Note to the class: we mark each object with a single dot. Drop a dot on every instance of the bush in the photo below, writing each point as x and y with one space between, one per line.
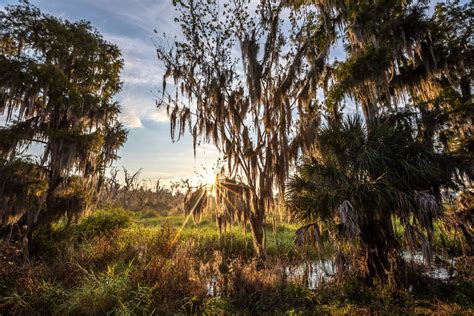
42 299
174 278
103 221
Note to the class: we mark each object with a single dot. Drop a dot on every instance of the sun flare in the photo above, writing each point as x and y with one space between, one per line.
210 179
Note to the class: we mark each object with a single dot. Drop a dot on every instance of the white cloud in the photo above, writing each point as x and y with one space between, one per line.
141 76
144 14
137 107
141 65
158 115
131 120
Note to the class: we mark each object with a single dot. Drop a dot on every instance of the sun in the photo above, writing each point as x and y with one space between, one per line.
210 179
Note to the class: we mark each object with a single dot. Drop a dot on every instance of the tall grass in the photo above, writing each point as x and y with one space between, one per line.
116 262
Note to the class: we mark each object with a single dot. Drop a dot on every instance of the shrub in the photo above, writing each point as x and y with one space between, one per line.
174 278
103 221
42 299
255 288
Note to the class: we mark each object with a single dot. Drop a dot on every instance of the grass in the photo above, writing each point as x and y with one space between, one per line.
125 263
278 242
445 239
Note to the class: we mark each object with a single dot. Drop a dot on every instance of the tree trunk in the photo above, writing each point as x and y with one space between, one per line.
381 252
257 221
370 111
466 88
258 236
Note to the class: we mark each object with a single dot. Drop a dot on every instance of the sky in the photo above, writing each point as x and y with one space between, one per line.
130 24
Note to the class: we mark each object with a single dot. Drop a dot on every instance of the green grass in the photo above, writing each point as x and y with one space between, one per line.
142 263
279 242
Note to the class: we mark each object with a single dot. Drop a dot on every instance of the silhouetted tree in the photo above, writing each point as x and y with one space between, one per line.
248 106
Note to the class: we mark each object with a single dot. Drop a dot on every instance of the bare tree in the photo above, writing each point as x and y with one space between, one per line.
112 188
159 189
130 185
135 194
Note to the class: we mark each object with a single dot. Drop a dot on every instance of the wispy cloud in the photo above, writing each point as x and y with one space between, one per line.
142 73
131 120
138 108
141 76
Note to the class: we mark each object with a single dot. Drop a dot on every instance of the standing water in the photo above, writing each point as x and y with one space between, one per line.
317 272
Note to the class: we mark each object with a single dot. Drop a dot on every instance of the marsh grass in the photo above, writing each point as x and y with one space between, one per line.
128 263
232 241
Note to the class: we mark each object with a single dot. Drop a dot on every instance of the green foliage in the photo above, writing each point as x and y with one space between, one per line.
57 83
143 269
217 306
103 293
103 222
359 178
44 299
50 240
360 66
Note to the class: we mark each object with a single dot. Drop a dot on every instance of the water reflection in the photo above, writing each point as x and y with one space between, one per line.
312 273
442 270
316 272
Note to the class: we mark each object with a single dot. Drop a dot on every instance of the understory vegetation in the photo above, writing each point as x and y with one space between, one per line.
122 262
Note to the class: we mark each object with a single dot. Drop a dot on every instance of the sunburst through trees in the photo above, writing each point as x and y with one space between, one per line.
263 106
248 107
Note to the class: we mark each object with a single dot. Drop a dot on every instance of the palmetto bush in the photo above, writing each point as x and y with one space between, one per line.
358 179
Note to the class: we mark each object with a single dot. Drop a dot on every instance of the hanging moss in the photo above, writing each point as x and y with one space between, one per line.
250 117
23 189
58 78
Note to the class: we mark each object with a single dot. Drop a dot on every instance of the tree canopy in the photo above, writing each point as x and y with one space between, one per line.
57 83
246 103
398 60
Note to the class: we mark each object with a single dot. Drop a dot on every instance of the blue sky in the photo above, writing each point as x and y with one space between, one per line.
130 25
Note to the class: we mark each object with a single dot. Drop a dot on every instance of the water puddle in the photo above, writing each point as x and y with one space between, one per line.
443 270
312 274
212 286
316 272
